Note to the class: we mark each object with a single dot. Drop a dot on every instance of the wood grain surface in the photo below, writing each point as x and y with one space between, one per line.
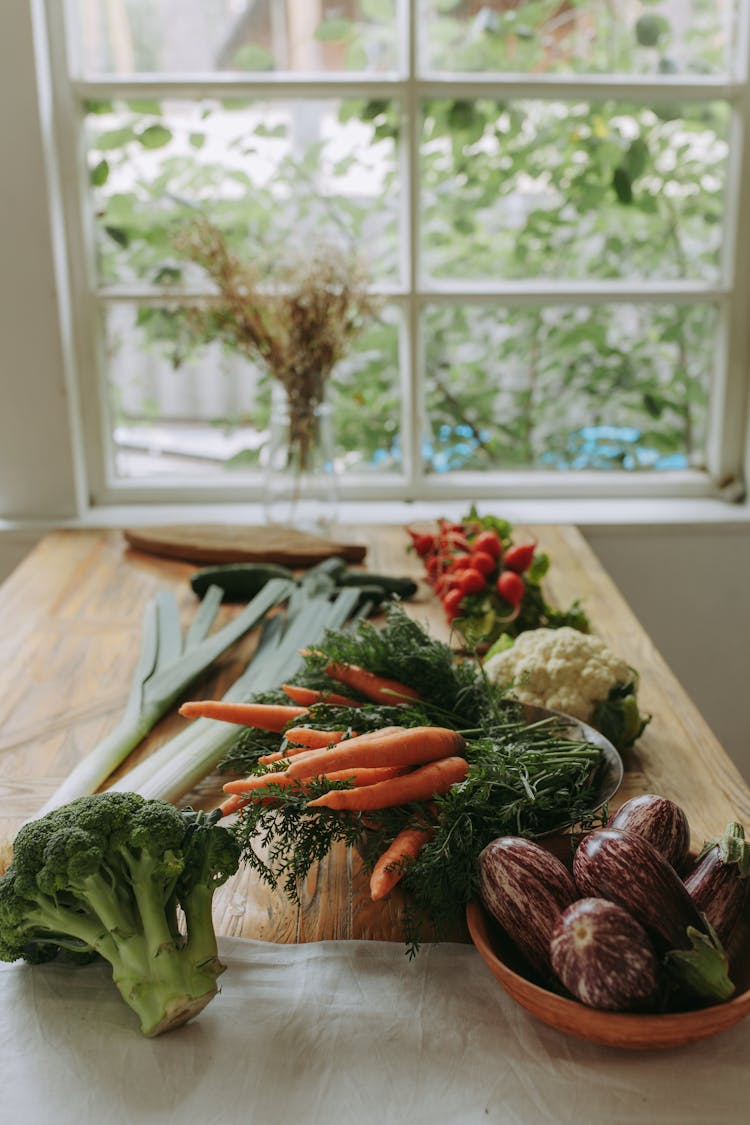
71 617
214 544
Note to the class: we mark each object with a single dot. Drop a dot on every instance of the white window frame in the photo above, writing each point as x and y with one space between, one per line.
727 429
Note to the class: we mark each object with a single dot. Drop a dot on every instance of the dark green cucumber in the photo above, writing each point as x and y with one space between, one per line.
374 596
333 567
397 587
240 582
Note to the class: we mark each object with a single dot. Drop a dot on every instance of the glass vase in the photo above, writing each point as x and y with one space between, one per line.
300 487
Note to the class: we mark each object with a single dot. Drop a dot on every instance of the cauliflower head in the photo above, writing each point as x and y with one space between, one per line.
573 672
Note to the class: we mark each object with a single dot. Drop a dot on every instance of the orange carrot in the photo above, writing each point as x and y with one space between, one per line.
389 869
300 739
258 782
304 738
361 777
291 751
281 755
232 805
308 696
378 689
263 716
315 739
401 747
419 785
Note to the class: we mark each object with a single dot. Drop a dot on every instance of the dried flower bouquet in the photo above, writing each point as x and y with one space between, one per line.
297 318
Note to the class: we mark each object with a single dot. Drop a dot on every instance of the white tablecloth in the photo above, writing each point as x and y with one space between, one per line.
340 1032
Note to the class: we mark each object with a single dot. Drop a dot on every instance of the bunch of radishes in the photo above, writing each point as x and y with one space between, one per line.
462 562
631 928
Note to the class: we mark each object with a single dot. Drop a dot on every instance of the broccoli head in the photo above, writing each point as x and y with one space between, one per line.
130 880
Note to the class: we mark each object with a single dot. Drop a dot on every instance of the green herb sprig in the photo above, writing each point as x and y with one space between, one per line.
452 691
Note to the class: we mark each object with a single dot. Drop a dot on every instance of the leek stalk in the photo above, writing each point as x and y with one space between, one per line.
166 666
178 765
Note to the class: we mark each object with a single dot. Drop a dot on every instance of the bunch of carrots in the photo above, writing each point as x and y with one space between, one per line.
382 768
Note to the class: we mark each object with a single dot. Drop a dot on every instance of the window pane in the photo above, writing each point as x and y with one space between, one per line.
535 189
588 36
203 36
603 387
177 409
301 170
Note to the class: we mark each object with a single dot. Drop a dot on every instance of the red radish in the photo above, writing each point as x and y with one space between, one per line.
459 563
484 562
490 542
511 587
423 543
472 581
452 602
519 558
447 582
433 566
454 539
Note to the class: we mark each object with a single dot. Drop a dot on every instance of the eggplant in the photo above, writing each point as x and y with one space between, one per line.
719 884
604 957
525 888
627 869
662 822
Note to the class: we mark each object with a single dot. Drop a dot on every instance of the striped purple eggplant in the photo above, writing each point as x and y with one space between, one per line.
604 957
628 870
525 888
662 822
719 884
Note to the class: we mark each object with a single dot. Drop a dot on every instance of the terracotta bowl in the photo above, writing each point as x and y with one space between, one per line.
612 1029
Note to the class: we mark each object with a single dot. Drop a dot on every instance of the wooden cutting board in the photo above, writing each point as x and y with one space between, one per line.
228 543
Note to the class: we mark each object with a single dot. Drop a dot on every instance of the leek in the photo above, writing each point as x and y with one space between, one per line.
178 765
166 666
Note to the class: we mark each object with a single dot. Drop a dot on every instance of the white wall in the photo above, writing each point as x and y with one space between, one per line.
37 476
690 587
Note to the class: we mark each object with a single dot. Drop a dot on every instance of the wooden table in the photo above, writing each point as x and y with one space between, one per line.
71 615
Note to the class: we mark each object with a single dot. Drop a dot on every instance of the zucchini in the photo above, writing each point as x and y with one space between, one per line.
395 587
333 567
239 582
371 595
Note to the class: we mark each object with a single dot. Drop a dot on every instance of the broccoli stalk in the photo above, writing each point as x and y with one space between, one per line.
114 875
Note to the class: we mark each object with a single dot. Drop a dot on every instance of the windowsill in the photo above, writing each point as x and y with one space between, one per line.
584 513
